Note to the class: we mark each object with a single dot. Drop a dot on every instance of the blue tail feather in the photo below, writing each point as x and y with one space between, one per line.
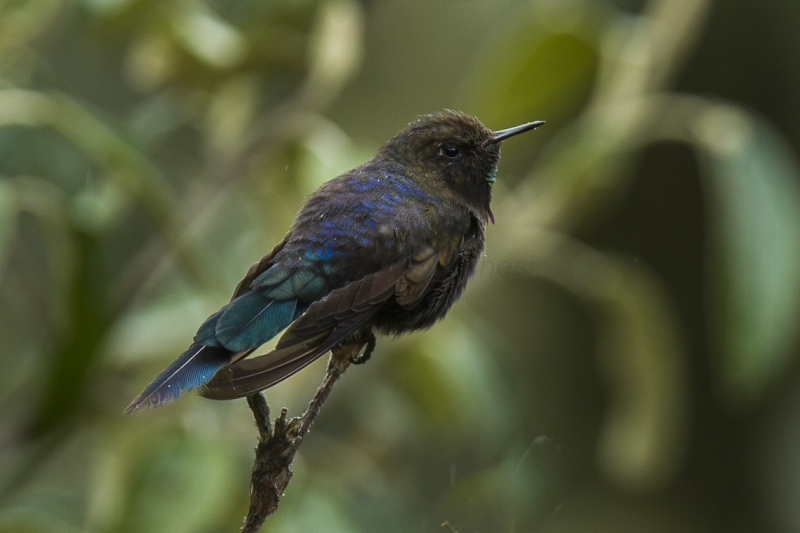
207 333
251 320
193 368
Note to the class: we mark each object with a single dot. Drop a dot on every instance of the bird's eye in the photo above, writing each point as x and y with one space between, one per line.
451 152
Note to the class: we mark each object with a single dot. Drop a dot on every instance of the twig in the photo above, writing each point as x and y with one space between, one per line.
277 446
447 525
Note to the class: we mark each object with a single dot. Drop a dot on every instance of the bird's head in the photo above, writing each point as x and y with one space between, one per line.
453 154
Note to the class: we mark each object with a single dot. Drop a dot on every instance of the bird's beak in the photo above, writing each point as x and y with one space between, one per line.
516 130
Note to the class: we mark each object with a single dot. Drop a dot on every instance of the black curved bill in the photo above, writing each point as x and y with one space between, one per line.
516 130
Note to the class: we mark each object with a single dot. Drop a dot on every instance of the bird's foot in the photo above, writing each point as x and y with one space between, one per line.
363 355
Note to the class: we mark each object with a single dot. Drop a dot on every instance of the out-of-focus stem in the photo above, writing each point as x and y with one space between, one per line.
586 163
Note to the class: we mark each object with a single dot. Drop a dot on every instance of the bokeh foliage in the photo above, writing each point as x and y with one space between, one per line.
602 373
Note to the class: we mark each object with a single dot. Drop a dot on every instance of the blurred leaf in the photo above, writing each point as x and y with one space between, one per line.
328 151
130 169
151 331
453 379
157 117
31 521
319 509
185 486
98 206
50 206
532 69
231 109
209 38
8 220
336 49
514 486
642 356
151 60
640 352
556 75
108 7
21 22
754 193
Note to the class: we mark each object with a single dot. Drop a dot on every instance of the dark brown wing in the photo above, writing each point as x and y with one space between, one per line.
327 323
416 279
322 326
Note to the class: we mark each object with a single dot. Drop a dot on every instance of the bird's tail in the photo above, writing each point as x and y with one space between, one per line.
194 367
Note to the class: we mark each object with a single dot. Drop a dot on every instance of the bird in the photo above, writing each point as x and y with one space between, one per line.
385 248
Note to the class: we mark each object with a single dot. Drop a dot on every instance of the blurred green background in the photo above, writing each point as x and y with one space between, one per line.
624 360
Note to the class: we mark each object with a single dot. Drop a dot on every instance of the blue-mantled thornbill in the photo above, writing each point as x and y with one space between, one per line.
384 248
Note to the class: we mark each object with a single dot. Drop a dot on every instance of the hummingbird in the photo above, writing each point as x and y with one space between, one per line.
384 248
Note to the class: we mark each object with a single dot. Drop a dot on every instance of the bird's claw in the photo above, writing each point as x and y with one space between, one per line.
362 357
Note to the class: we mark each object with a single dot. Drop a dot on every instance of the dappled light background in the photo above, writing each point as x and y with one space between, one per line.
625 358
